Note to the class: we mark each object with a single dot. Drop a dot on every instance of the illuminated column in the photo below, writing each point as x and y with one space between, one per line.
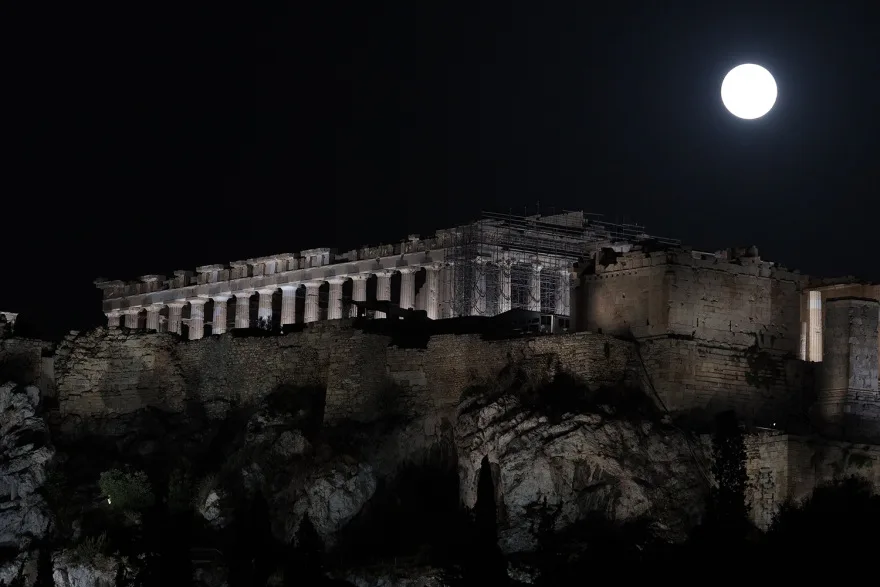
535 287
383 289
131 317
175 310
408 287
153 317
815 347
243 309
358 291
264 314
197 318
432 291
504 294
563 294
112 319
218 320
334 304
313 309
288 303
803 348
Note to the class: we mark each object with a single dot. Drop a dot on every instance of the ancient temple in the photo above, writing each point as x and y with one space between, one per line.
495 264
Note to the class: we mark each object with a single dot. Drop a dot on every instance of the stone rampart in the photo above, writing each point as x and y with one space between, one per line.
25 361
783 467
112 372
685 293
763 386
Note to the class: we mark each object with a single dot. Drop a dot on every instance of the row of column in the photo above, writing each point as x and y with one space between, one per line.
131 316
432 292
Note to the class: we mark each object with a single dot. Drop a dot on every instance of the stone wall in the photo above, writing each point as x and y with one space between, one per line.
783 467
22 361
111 372
685 293
764 386
848 394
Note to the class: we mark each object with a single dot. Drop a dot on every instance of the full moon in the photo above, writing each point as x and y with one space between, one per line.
748 91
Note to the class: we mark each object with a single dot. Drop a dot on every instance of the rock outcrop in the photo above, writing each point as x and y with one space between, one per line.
563 470
99 570
25 451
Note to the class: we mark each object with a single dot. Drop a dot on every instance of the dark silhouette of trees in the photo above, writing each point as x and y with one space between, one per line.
727 505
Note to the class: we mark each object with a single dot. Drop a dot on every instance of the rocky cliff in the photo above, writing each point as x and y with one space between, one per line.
244 460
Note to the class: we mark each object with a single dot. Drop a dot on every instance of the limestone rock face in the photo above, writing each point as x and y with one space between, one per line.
213 510
100 571
399 577
25 452
22 570
581 464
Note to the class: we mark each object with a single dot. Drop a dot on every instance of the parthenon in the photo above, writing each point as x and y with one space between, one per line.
498 263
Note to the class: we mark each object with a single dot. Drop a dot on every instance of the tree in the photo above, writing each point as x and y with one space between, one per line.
727 508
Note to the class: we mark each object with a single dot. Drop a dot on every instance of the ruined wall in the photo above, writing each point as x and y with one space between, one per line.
783 467
685 293
111 372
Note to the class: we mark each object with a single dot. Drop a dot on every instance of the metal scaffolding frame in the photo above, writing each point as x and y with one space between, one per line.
508 261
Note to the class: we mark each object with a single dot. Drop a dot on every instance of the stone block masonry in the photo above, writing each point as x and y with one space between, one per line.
111 372
763 386
686 293
848 391
105 373
783 467
28 362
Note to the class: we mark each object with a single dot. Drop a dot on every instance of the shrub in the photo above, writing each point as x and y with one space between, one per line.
87 549
126 490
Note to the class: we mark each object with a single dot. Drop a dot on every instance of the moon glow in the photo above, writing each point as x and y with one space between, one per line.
748 91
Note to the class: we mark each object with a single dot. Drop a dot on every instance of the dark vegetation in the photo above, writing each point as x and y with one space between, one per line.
155 477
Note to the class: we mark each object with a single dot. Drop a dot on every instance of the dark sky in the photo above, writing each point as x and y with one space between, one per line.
144 140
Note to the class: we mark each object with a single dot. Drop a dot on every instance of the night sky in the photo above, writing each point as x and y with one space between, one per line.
144 140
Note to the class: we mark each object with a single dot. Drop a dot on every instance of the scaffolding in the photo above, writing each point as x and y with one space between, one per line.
506 261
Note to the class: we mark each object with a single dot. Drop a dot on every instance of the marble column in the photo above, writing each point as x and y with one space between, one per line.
535 287
243 309
153 317
218 320
288 303
447 291
383 289
131 318
197 318
432 291
408 287
264 314
334 305
358 291
112 319
563 294
504 289
313 309
478 296
175 311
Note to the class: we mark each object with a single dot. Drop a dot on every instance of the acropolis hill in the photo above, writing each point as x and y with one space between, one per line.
537 298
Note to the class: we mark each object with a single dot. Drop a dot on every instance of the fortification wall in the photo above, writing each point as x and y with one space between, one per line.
25 361
688 294
111 372
783 467
764 386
